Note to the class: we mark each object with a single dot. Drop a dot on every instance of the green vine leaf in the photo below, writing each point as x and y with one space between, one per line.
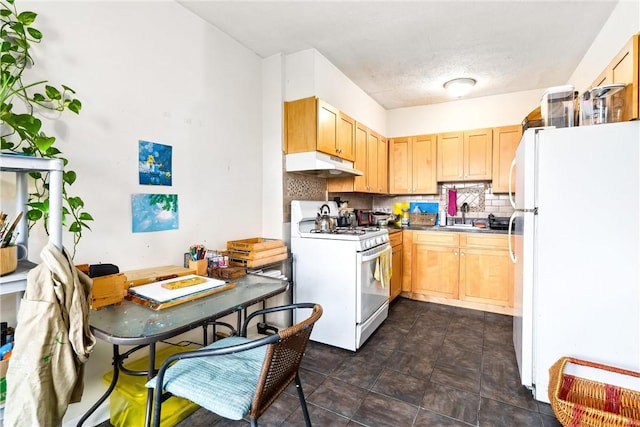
75 202
70 177
52 92
36 34
34 214
44 143
27 18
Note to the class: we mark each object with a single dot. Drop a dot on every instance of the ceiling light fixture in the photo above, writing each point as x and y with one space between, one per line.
459 87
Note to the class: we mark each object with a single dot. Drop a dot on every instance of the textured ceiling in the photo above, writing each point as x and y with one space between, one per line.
401 53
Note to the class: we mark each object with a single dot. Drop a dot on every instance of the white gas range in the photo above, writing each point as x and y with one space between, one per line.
342 270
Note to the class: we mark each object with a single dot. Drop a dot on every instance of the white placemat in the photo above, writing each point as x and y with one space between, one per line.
156 292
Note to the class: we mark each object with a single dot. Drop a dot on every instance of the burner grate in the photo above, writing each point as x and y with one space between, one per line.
349 231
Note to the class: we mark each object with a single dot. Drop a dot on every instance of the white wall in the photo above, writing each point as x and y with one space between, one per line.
273 149
616 32
490 111
152 71
308 73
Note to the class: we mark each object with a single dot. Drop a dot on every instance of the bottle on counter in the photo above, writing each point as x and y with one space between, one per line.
442 220
405 217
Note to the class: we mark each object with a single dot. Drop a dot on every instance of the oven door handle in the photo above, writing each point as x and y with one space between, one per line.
368 257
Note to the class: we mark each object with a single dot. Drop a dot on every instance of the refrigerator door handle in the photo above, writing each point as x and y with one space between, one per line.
511 169
512 254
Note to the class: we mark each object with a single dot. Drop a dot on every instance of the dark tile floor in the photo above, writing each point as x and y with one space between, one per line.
427 365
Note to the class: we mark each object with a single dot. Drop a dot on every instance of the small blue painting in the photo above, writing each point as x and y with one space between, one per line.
154 163
154 212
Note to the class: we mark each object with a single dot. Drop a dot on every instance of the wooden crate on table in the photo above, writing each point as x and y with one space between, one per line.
107 290
255 252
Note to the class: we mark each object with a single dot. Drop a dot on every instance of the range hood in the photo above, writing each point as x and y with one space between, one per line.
320 165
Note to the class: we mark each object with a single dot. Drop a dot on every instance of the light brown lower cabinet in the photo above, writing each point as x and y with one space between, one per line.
470 270
395 239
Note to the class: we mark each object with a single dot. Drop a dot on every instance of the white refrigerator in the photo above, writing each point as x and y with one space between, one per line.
576 248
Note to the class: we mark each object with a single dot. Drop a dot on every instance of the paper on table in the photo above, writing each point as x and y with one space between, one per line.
156 292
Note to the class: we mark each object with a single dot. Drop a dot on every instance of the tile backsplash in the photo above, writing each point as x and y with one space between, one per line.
477 195
301 187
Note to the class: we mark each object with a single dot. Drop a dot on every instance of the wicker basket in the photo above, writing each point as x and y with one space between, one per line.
424 219
581 402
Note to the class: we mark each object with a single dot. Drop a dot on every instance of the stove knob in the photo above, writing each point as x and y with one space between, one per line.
367 244
379 240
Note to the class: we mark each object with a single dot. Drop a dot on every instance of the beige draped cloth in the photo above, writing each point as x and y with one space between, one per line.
52 343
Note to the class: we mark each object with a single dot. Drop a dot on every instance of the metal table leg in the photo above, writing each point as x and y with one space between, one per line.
114 380
150 374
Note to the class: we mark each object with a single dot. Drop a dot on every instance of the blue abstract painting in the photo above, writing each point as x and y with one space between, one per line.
154 163
154 212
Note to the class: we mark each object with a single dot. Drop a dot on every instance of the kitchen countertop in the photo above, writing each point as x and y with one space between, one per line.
449 229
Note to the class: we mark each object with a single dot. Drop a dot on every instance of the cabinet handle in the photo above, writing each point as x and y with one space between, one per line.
461 253
455 253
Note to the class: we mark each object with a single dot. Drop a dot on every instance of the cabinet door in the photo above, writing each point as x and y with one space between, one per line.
434 270
450 150
485 276
327 128
346 137
372 162
400 166
407 259
624 69
362 134
301 125
505 142
477 154
396 271
383 165
423 164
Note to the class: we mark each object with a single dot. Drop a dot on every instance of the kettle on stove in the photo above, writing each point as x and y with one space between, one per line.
324 221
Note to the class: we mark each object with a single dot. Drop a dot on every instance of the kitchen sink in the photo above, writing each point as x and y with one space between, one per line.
460 226
466 228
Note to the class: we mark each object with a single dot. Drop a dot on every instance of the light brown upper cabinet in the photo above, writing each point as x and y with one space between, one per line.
465 156
412 165
625 68
505 143
371 158
383 165
313 125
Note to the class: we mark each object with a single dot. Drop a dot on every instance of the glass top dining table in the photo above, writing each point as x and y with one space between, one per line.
130 323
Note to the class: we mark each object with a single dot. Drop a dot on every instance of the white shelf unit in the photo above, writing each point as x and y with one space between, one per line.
21 166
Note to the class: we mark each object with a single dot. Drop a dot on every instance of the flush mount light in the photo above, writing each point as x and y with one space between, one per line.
459 87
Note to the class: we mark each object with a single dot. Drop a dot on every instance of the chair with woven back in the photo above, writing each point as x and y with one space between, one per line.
236 376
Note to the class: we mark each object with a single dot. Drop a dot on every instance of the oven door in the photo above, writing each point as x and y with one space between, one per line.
371 292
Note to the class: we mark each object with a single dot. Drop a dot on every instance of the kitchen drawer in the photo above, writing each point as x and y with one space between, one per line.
436 238
479 240
395 239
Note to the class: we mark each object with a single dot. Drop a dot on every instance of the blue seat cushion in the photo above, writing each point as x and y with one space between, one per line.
222 384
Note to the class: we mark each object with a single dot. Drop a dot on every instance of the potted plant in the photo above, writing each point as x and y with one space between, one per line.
21 129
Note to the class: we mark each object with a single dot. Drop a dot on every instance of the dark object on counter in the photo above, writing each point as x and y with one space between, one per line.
227 273
3 333
364 217
98 270
498 223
